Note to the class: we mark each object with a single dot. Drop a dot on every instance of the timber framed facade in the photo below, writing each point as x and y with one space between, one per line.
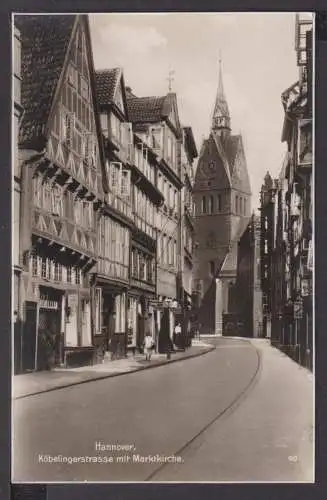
61 160
100 242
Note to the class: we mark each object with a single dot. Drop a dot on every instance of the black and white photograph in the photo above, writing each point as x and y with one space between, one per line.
163 248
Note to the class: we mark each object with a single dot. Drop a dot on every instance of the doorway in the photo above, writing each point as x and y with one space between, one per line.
29 337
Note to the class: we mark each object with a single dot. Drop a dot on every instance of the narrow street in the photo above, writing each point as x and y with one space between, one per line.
242 412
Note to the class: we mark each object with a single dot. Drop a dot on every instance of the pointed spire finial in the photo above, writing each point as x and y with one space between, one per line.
221 118
170 79
220 82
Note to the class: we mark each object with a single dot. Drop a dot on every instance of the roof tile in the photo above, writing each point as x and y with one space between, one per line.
145 109
106 84
45 41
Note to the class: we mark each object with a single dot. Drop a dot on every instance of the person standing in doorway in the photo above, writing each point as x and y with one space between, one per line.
148 346
178 335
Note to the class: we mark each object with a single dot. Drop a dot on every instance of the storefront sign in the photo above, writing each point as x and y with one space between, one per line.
298 309
48 304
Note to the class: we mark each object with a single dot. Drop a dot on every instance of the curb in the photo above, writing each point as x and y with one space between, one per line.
118 374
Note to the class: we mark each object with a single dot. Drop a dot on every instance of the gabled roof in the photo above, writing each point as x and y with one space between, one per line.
190 141
45 40
151 109
107 81
221 150
232 146
146 109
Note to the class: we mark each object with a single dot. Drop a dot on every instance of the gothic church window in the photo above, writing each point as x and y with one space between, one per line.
218 203
204 205
210 204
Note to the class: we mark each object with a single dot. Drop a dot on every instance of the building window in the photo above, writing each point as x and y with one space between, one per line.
56 200
84 89
210 204
77 276
245 207
142 267
236 204
211 268
69 274
57 272
204 206
218 203
44 269
34 265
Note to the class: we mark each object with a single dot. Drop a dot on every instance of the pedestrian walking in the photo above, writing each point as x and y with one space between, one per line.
178 335
148 347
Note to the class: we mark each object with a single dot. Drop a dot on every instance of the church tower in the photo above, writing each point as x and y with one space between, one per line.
222 196
221 117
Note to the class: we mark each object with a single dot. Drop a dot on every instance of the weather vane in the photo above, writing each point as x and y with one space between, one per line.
170 79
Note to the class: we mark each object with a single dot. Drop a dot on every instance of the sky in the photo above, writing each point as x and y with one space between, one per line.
258 63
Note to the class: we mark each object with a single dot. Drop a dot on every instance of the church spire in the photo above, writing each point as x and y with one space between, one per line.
221 117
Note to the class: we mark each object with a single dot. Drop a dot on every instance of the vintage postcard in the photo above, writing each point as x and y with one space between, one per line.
162 253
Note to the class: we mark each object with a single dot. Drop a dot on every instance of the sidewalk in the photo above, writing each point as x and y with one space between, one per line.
37 382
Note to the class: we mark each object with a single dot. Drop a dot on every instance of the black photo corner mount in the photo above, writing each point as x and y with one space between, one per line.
321 26
28 492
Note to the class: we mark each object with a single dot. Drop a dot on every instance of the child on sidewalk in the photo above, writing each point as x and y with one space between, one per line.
148 346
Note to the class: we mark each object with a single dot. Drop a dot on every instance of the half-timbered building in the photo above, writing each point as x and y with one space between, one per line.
62 162
112 273
156 122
